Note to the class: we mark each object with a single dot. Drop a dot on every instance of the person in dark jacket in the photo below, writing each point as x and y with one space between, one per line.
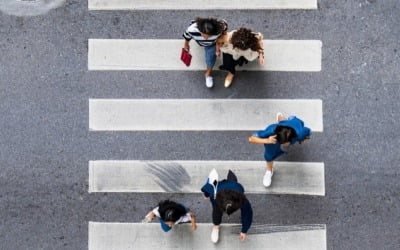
227 196
284 133
171 213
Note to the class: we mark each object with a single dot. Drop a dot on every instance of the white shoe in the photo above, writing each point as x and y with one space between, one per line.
209 82
267 178
215 234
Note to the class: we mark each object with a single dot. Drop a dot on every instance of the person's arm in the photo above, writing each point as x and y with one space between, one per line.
193 221
261 51
149 217
186 45
247 219
219 43
257 140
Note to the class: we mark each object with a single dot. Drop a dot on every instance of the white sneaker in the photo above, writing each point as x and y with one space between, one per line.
209 82
267 178
215 234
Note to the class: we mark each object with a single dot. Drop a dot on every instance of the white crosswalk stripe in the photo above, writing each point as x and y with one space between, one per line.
198 114
185 176
164 54
189 176
200 4
117 236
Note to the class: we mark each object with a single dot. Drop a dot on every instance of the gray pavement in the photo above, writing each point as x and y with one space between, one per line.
45 143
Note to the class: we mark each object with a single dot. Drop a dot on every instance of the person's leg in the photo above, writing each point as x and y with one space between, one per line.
217 219
231 176
210 61
229 64
268 174
270 166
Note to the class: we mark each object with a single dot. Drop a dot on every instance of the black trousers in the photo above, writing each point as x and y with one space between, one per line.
216 212
229 64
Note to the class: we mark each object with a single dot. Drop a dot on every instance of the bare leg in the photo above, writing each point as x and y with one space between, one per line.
208 71
270 165
280 117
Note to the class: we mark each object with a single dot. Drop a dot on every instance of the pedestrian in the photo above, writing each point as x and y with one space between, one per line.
239 47
171 213
205 31
227 196
274 137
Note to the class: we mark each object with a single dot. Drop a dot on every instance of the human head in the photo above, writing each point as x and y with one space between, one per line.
229 201
170 211
284 134
244 39
209 26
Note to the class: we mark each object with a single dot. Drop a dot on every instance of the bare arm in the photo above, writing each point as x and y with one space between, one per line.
186 45
257 140
261 52
193 221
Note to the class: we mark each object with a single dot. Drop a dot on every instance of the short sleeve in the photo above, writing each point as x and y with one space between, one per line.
156 212
270 130
184 219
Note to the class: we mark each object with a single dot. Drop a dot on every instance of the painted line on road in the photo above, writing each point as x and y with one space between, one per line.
116 236
200 4
199 114
189 176
164 54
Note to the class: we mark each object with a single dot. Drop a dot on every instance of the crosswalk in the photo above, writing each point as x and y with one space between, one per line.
199 4
301 178
187 176
115 236
133 54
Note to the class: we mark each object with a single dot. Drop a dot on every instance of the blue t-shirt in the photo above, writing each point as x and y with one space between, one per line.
272 151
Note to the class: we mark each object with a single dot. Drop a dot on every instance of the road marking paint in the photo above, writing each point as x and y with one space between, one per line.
198 114
164 54
200 4
189 176
116 236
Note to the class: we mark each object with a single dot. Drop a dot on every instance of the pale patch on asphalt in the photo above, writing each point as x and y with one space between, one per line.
29 7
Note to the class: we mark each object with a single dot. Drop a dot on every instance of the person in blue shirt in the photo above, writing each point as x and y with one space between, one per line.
284 133
227 196
169 214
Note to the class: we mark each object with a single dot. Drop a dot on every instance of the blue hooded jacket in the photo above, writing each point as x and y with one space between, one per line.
272 151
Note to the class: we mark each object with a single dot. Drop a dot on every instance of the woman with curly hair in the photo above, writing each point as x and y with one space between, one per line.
239 47
171 213
205 31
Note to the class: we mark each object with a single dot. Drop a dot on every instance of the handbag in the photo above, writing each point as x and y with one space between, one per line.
186 57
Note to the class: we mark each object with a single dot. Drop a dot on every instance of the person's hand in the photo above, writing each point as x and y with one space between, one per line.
261 60
217 52
194 227
272 139
243 236
186 46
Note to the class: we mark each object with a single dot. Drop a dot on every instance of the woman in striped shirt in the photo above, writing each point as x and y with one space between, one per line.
205 31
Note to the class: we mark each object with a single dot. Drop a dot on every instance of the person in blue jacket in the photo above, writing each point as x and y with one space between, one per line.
284 133
227 196
171 213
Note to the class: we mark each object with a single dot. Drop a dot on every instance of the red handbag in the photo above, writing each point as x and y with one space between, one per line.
186 57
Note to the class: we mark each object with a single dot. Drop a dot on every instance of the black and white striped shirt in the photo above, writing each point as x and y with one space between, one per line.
192 32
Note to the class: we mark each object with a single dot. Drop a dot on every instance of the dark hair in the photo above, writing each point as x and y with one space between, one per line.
284 134
171 211
211 26
245 39
229 201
